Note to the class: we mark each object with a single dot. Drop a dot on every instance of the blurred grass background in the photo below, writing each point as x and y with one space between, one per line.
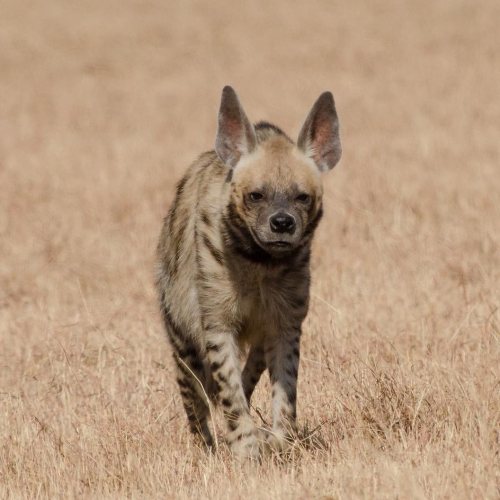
102 107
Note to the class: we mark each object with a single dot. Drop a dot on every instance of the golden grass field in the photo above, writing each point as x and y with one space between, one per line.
102 107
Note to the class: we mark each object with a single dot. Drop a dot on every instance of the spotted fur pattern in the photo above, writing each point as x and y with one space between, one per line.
226 287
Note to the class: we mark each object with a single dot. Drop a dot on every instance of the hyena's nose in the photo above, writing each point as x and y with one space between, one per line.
282 223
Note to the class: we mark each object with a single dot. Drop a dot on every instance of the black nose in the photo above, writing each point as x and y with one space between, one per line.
282 223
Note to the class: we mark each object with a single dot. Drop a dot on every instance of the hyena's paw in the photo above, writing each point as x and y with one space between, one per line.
278 441
205 442
203 436
246 444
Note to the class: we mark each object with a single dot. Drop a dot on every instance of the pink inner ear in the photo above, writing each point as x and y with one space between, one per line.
232 129
319 137
322 136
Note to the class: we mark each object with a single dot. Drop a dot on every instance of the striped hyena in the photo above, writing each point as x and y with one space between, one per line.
234 267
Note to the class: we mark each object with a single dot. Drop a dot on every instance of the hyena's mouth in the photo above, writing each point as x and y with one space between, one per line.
271 246
276 248
280 244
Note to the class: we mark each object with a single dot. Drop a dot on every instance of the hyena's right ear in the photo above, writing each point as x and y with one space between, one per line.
319 138
235 133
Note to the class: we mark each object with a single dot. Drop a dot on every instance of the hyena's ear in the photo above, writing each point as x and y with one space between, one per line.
319 138
235 133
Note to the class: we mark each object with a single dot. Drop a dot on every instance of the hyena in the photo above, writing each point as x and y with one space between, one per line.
233 270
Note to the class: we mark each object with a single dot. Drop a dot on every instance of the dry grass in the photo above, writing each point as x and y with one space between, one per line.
103 105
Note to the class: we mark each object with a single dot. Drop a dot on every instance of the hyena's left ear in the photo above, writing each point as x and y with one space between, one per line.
235 133
319 138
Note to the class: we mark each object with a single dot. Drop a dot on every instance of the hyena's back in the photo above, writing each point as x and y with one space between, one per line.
196 201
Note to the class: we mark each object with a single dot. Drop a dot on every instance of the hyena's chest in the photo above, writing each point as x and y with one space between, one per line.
261 303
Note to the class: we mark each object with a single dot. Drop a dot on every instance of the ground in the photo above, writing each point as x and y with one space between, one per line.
102 107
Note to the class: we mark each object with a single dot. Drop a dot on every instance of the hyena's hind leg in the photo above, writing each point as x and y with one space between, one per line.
254 367
191 378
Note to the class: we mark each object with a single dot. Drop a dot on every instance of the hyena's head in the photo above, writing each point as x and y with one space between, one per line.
275 200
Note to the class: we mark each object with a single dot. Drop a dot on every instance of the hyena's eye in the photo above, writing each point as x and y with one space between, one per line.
255 196
303 197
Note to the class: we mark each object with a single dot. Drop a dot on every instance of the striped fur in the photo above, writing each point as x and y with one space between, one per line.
229 283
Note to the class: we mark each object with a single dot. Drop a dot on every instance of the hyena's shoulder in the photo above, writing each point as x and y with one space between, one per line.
204 171
205 176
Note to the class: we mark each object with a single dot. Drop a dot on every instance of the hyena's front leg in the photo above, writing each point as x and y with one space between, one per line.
255 365
282 356
224 361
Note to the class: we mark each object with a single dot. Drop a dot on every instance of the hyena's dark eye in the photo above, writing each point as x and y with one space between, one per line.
303 197
255 196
